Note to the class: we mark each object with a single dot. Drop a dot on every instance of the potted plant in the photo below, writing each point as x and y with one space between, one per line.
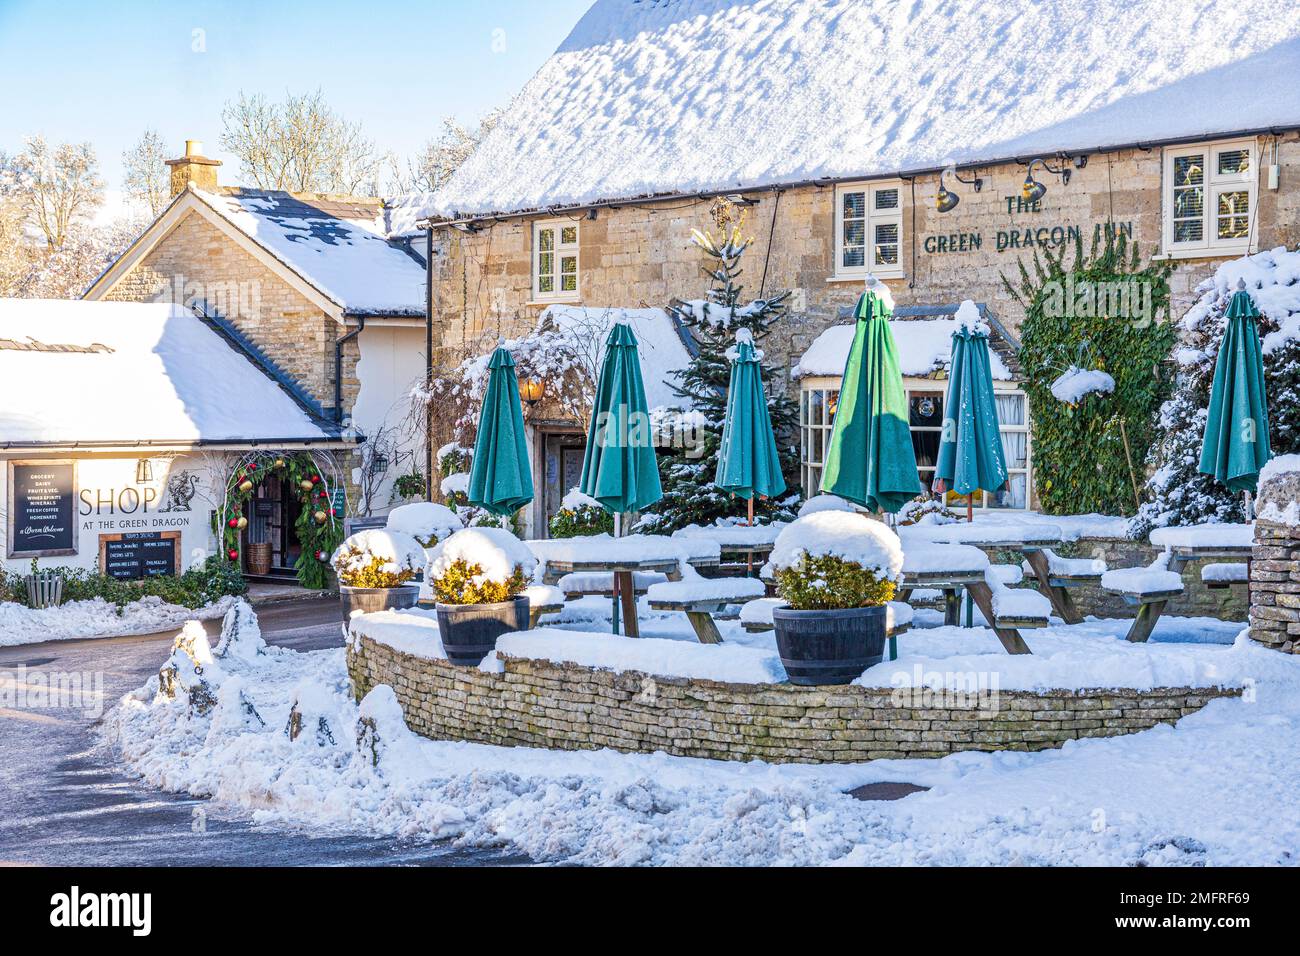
836 571
425 521
478 577
374 568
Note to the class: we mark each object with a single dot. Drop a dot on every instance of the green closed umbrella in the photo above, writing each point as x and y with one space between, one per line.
870 460
1236 442
970 449
501 481
747 461
619 468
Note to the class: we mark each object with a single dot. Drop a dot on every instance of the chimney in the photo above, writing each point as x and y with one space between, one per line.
194 168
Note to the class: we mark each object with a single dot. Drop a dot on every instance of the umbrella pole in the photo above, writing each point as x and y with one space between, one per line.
751 512
970 506
618 526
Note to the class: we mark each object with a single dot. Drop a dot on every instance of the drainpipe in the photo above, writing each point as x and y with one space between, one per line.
338 366
428 362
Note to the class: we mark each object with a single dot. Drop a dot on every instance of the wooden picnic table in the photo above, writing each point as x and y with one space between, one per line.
974 583
624 579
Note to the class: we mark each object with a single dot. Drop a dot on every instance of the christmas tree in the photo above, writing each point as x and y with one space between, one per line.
1177 493
687 473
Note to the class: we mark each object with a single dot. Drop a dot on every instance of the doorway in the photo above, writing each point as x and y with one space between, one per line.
561 470
273 512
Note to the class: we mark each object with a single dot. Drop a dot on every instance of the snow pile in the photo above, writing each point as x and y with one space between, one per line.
734 590
157 374
1154 579
788 91
496 551
241 636
1058 566
1225 572
424 520
727 663
543 595
923 346
397 553
77 620
454 484
1223 535
825 503
1076 383
898 614
842 534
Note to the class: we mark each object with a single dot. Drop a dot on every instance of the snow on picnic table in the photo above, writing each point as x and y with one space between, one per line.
1223 535
734 535
706 589
633 547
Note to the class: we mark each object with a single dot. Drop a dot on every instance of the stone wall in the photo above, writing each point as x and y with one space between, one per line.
641 255
537 703
1275 565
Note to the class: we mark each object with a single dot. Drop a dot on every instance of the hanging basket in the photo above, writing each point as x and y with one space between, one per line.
258 557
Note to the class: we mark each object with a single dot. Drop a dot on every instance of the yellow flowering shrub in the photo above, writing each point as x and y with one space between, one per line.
456 585
373 574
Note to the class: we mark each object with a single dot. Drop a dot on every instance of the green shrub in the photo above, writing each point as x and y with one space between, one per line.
198 586
457 585
410 485
583 521
824 582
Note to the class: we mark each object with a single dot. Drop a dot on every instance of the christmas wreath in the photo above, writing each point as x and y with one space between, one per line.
320 520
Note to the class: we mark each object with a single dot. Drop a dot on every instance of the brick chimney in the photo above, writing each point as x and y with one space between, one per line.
194 168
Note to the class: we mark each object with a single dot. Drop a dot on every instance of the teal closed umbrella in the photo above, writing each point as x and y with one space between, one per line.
501 481
1236 445
870 459
619 468
970 450
747 461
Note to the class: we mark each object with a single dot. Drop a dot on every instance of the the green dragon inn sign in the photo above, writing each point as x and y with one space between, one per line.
1025 230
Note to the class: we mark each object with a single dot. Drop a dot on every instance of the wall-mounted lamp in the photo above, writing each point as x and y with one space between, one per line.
531 391
946 200
736 199
1031 190
592 213
467 227
143 471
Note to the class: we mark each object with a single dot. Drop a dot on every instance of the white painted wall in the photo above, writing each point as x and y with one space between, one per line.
392 361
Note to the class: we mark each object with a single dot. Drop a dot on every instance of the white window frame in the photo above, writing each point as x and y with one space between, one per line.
1214 184
872 218
559 252
811 465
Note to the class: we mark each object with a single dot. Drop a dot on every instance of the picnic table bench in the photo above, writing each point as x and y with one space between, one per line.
1219 577
543 599
1056 575
1149 589
701 599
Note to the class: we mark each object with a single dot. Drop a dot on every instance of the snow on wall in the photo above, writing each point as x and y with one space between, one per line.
788 90
924 345
162 376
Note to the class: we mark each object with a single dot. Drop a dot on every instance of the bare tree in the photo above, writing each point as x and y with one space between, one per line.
300 145
61 186
13 217
439 158
146 179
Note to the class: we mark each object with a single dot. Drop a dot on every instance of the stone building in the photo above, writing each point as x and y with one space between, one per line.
312 286
838 126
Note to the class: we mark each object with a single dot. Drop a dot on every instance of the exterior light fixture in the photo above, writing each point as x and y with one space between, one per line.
143 471
1031 190
531 391
736 199
946 200
467 227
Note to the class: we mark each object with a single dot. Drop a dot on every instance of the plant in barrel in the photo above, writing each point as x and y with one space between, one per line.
375 570
836 571
478 578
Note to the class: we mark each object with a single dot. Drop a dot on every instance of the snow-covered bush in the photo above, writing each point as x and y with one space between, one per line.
480 566
926 510
836 559
377 559
425 521
1075 384
580 515
825 503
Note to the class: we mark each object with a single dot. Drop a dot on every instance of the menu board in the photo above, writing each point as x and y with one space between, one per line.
42 508
139 554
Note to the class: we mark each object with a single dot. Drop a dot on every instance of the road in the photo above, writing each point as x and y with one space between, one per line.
62 804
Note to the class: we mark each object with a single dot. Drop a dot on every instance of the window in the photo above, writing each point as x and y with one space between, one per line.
869 230
555 260
1209 200
925 400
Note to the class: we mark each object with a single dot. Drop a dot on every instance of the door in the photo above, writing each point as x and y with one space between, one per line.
272 519
563 468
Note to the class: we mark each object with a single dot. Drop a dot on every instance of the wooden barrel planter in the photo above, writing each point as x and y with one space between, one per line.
258 557
469 631
829 647
370 600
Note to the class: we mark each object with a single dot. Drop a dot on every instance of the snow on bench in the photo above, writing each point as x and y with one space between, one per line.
701 598
938 565
1147 584
658 657
1070 572
756 616
1008 574
601 583
1017 607
1220 576
543 599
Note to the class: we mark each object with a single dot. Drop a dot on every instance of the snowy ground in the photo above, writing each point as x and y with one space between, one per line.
1216 789
75 620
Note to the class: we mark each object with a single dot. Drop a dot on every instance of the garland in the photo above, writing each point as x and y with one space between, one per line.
319 525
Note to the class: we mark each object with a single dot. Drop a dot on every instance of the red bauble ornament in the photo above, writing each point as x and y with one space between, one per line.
233 554
333 512
252 466
315 478
232 523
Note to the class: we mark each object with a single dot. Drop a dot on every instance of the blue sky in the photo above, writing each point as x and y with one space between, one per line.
105 72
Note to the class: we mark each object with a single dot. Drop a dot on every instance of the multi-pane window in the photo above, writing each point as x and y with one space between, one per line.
555 260
1209 198
925 400
869 229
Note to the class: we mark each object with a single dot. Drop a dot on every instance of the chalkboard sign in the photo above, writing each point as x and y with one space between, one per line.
139 554
42 508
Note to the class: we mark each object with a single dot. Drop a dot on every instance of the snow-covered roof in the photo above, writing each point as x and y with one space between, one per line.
924 346
669 96
338 246
99 372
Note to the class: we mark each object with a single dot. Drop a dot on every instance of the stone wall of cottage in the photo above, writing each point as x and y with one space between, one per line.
1275 566
538 703
641 255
